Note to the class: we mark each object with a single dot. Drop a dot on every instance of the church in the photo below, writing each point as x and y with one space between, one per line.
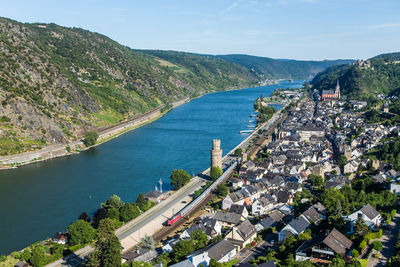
331 94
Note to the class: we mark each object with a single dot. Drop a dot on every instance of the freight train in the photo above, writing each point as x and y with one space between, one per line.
206 192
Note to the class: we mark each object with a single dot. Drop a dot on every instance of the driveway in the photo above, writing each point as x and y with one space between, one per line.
389 241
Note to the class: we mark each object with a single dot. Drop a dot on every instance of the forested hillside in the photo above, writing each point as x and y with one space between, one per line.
269 68
379 75
262 67
57 82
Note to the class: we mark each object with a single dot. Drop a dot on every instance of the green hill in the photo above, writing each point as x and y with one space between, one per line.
363 80
58 82
261 67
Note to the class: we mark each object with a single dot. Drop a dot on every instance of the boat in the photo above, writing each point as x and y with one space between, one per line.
246 131
250 126
253 115
250 121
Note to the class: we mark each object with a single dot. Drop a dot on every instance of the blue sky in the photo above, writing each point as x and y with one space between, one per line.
299 29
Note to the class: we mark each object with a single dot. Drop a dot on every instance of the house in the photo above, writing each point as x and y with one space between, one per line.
139 254
351 166
154 196
272 219
211 227
369 214
395 187
222 251
237 183
21 264
243 234
227 218
295 227
239 209
261 206
312 215
324 247
59 238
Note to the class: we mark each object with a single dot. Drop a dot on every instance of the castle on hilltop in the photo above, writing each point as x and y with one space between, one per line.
331 94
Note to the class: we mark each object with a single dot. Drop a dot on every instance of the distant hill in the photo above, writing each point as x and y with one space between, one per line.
363 79
269 68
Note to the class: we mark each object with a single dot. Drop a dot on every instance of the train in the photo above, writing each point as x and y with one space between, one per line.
206 192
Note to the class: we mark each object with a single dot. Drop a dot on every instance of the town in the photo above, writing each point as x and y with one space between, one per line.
314 193
314 184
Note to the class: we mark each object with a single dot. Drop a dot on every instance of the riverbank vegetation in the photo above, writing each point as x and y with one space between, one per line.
179 178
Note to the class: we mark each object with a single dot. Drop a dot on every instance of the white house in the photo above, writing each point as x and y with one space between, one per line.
222 251
261 206
395 187
369 214
295 227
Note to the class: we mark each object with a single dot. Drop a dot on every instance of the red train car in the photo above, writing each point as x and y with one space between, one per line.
174 219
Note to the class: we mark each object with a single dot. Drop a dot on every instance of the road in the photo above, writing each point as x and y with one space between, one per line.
389 241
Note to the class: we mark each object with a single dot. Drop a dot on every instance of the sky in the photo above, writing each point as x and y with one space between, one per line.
295 29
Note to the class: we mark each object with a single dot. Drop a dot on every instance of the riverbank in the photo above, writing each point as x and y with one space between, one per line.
107 134
74 147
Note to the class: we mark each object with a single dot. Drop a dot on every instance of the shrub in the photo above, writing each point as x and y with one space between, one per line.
363 245
91 138
3 258
355 253
377 245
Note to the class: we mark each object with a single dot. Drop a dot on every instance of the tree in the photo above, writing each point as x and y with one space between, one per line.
215 172
80 232
113 213
360 227
222 190
377 245
179 178
113 202
84 217
148 242
108 248
164 259
90 138
200 239
181 249
141 264
342 161
238 152
141 202
38 258
316 180
128 212
98 216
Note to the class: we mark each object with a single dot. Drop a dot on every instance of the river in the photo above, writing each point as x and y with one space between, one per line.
40 199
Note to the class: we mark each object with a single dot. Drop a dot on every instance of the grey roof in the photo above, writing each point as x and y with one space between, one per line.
185 263
369 211
300 224
238 209
268 264
217 250
153 194
228 217
220 249
334 240
328 92
246 229
312 215
276 215
268 222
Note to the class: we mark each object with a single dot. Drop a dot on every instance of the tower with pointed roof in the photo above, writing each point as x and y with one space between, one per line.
337 90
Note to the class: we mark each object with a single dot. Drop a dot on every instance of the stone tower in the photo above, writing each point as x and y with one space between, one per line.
216 154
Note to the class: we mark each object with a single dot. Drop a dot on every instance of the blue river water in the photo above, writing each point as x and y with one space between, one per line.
40 199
